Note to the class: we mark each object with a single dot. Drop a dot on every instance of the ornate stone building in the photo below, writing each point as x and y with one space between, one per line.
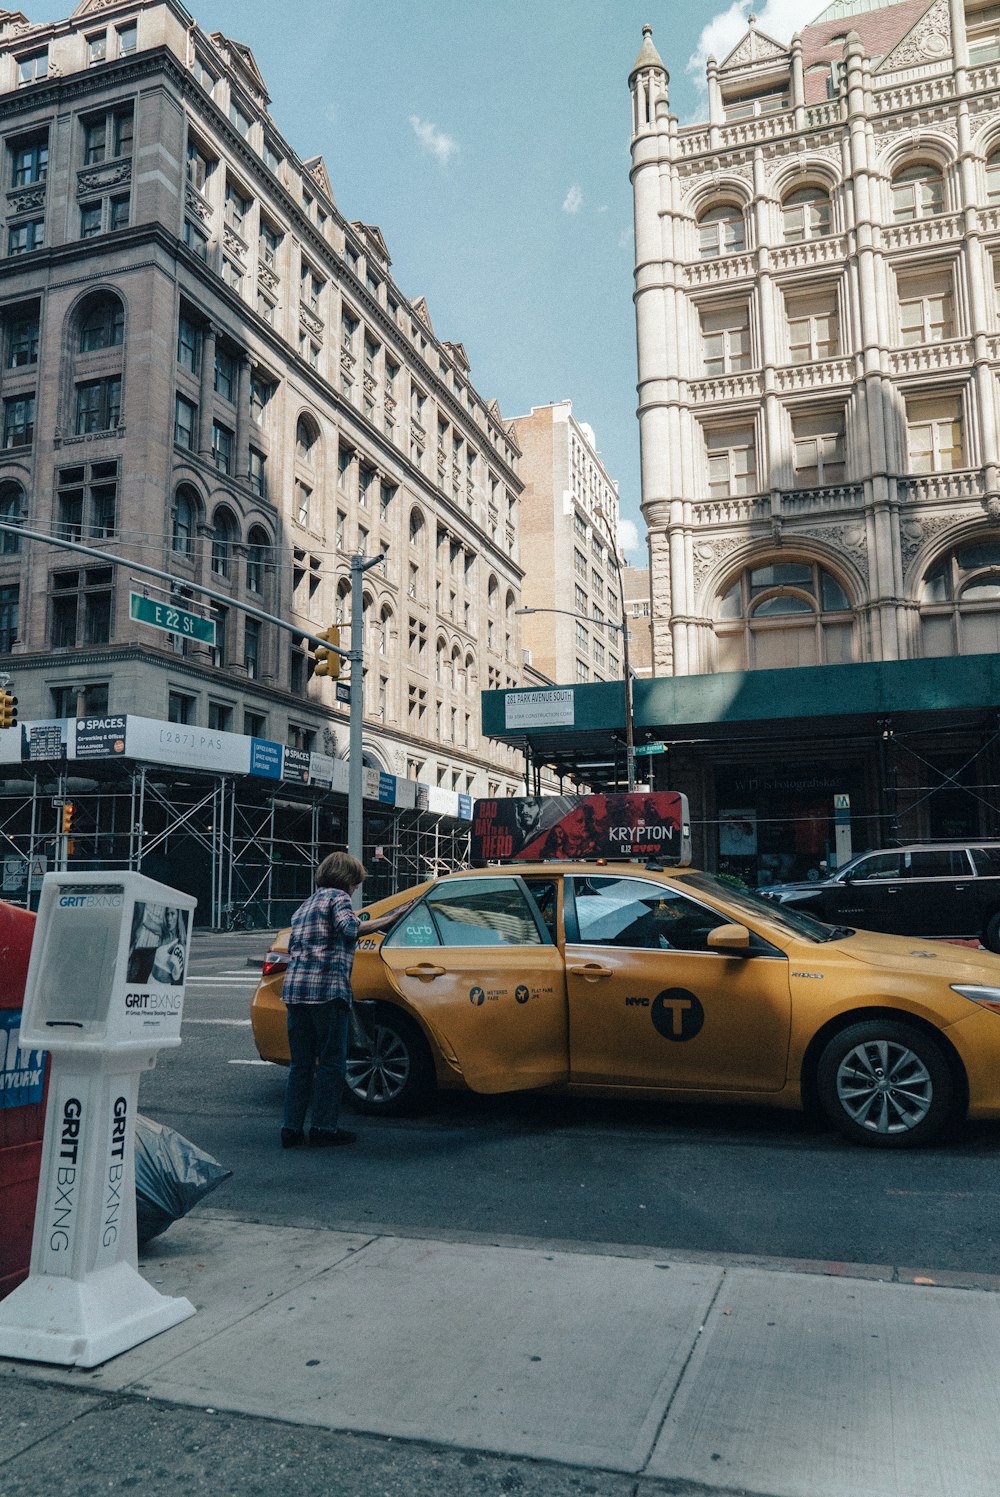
206 366
817 270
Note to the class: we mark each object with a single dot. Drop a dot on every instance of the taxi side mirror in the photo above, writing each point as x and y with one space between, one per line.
732 939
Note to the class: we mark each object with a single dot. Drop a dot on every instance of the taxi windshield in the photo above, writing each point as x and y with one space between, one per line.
756 908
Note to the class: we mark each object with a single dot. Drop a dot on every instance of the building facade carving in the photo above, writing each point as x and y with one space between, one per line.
818 331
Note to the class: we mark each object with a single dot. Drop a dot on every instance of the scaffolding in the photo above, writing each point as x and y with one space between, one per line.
246 848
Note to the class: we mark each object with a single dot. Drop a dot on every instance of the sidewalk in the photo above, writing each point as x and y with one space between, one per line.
654 1374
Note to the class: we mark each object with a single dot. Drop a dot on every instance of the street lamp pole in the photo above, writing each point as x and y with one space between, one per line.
355 741
626 666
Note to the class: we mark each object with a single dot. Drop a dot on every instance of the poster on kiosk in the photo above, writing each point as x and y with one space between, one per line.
104 994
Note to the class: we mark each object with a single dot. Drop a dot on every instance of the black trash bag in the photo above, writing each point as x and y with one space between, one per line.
171 1175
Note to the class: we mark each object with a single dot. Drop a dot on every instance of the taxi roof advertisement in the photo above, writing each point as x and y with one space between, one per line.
653 824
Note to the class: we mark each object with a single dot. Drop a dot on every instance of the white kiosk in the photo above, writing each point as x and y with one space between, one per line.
105 992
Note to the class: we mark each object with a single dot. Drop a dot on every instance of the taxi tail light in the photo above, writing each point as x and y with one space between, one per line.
985 997
275 961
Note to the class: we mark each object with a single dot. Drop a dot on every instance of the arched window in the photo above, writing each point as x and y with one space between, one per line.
721 231
416 527
917 192
993 178
224 533
493 593
12 513
783 613
102 323
185 515
259 564
306 437
440 661
385 626
342 609
960 601
806 214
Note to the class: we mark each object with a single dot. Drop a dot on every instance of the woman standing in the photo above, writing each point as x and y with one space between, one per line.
317 991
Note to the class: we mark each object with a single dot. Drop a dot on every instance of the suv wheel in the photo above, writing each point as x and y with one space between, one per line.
393 1072
885 1084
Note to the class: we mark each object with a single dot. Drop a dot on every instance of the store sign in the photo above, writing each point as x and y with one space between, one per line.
538 709
295 769
191 747
99 737
265 758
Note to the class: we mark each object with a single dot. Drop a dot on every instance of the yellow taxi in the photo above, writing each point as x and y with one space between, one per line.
620 979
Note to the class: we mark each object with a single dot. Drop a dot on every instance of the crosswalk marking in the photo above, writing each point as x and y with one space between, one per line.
233 1023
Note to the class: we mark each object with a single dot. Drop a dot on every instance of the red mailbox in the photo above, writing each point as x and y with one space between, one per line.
22 1104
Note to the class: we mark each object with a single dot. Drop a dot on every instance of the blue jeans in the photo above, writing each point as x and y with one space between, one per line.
317 1039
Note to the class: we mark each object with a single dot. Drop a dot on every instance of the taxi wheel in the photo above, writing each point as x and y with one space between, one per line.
885 1084
394 1073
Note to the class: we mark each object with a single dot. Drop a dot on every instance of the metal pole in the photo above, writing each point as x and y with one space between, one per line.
355 762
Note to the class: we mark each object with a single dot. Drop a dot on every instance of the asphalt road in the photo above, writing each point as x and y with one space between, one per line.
709 1179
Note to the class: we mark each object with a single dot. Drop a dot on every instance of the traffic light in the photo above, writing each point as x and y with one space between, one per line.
8 709
327 662
67 817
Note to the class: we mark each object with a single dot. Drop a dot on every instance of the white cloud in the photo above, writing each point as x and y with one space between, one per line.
777 18
573 201
625 239
434 141
628 536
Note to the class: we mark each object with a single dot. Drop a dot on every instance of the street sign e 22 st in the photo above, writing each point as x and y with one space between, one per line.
170 619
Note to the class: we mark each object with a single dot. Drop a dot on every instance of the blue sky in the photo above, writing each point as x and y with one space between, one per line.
490 143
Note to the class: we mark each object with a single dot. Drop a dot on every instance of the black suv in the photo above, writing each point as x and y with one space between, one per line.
923 889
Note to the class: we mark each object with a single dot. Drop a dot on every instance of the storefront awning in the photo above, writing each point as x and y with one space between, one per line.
579 730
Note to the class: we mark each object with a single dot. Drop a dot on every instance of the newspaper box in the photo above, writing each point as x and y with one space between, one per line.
104 993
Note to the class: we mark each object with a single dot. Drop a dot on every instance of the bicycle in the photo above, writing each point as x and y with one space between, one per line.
237 917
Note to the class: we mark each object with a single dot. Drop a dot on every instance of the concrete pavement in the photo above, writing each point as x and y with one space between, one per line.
619 1371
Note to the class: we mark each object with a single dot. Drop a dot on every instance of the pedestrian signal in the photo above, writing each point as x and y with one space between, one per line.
327 660
8 709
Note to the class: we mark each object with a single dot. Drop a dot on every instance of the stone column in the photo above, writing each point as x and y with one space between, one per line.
242 465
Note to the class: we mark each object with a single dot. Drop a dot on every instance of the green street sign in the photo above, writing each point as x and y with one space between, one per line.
170 619
650 748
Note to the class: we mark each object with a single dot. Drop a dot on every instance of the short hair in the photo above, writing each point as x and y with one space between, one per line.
339 870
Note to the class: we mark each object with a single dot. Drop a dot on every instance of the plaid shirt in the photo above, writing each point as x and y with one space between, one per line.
321 949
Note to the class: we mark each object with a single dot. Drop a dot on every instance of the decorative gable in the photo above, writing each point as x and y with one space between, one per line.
927 41
244 65
316 167
459 356
372 235
420 310
755 48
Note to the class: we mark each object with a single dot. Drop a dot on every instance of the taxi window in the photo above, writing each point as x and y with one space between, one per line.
638 913
416 928
472 912
545 893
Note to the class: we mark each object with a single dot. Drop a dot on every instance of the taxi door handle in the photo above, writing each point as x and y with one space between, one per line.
425 970
590 969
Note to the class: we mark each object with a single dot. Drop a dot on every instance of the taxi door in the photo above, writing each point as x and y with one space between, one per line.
650 1004
475 959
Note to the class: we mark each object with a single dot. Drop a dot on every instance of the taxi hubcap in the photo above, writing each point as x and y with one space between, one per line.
379 1072
884 1086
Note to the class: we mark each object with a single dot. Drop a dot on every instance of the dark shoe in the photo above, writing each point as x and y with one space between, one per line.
292 1137
324 1138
